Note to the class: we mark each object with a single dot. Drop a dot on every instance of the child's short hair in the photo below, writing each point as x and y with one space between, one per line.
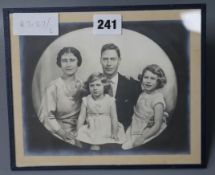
98 76
155 69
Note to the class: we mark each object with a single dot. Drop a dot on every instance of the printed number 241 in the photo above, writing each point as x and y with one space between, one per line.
106 24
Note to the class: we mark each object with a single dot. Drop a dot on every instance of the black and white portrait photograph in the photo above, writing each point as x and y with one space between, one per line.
63 89
130 99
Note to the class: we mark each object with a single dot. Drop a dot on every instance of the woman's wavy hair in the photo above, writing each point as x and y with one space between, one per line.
72 50
97 76
155 69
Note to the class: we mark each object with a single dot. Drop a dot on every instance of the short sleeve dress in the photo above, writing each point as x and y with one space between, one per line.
143 114
97 129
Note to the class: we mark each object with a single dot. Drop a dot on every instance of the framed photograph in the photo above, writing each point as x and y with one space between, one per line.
106 87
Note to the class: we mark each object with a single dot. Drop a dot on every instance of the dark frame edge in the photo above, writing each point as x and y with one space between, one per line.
8 72
203 85
105 8
6 13
113 167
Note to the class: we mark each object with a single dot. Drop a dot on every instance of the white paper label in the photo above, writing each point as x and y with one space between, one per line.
107 24
35 24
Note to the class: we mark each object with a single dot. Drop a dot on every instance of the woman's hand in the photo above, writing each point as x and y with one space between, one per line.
67 136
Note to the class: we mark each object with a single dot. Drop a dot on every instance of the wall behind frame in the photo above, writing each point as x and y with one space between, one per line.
210 95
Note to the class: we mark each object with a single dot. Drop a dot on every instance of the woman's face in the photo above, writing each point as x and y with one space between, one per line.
96 88
69 64
150 81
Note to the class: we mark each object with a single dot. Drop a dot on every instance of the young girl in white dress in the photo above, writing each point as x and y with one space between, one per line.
149 118
97 122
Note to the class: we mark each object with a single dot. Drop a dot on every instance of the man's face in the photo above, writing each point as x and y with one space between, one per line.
110 62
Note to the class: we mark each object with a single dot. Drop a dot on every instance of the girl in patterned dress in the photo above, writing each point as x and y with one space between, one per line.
149 118
97 122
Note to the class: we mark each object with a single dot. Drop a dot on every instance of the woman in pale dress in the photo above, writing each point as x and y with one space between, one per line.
97 122
61 102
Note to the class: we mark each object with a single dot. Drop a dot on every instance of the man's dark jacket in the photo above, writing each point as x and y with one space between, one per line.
127 93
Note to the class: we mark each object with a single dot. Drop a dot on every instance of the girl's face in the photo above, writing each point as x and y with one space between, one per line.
69 64
96 88
149 82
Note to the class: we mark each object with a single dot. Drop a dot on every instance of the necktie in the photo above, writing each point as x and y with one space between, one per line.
110 91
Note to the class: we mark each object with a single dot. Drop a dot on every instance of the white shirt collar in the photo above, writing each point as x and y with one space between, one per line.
114 79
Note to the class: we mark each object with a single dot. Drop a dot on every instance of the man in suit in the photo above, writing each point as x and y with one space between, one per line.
125 90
